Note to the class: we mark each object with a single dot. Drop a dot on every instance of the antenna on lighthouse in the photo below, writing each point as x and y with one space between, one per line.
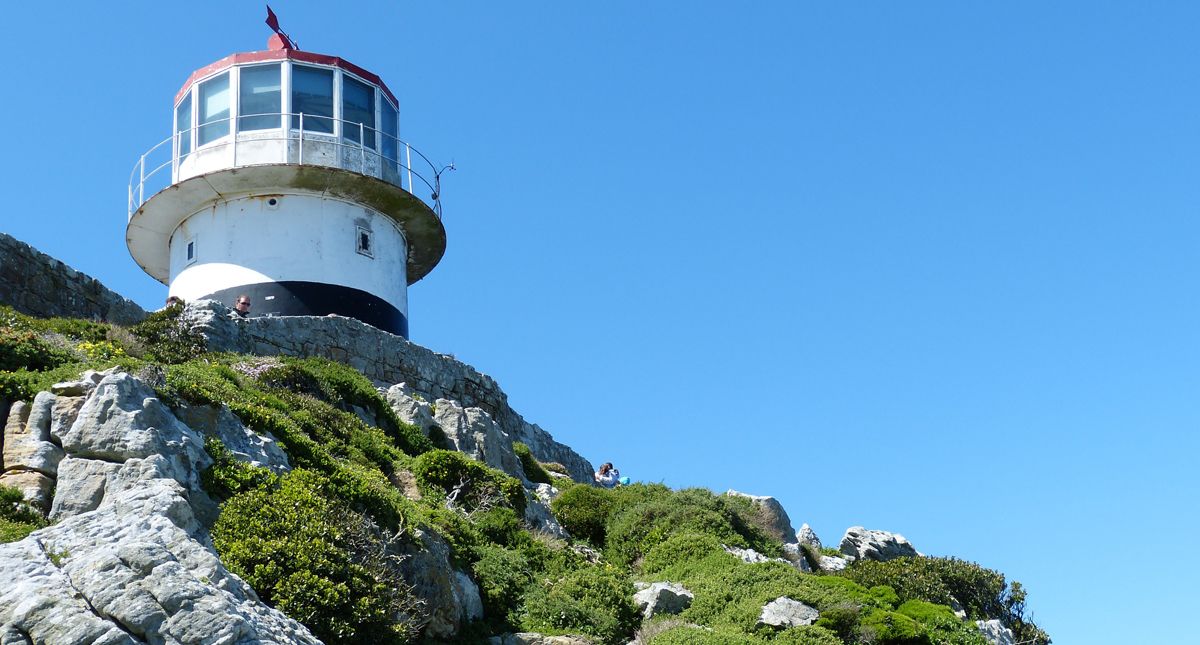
273 23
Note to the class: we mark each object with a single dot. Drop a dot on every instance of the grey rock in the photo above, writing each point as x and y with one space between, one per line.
81 486
132 571
663 598
538 515
860 543
260 449
27 444
37 488
995 632
750 556
82 387
807 536
472 431
450 601
411 407
796 558
776 520
833 563
466 592
123 420
784 612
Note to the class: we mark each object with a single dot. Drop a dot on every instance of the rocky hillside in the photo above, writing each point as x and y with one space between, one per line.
195 478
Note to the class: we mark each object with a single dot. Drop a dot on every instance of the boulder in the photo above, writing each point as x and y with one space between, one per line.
121 437
795 556
259 449
538 515
750 556
784 612
450 595
995 632
472 431
82 387
27 444
833 563
807 536
37 488
411 407
774 518
860 543
662 598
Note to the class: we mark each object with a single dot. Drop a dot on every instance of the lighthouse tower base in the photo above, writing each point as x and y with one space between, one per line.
294 254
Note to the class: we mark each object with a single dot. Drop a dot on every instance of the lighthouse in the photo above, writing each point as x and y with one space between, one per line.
284 180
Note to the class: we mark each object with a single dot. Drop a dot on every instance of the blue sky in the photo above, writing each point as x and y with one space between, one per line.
923 267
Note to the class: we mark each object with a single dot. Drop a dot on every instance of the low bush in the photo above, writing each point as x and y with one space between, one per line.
317 561
503 576
634 528
466 483
29 351
533 470
983 593
166 339
597 601
583 511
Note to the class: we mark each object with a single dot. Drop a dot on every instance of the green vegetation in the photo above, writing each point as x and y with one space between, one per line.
17 517
323 543
983 593
313 558
534 471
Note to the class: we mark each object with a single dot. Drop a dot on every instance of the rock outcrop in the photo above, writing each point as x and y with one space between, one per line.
783 612
663 598
129 560
776 521
860 543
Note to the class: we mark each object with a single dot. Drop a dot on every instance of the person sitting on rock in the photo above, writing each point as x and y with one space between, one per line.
607 476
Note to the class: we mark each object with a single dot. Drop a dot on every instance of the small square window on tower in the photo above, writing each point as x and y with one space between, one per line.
364 242
191 251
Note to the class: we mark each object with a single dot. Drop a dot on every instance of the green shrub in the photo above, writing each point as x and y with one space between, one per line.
27 350
166 339
316 560
597 601
583 511
344 387
680 550
983 593
503 576
465 482
533 470
635 527
227 476
17 518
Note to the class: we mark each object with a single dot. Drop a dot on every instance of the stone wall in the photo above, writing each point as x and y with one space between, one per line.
37 284
385 358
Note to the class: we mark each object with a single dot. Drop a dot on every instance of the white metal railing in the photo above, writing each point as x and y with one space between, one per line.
176 157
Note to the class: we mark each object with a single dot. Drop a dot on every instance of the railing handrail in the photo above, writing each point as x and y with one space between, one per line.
139 176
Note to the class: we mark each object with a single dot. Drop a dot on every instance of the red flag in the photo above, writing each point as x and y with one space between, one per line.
272 21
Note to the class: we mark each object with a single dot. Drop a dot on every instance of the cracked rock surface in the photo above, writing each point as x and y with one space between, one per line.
128 560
